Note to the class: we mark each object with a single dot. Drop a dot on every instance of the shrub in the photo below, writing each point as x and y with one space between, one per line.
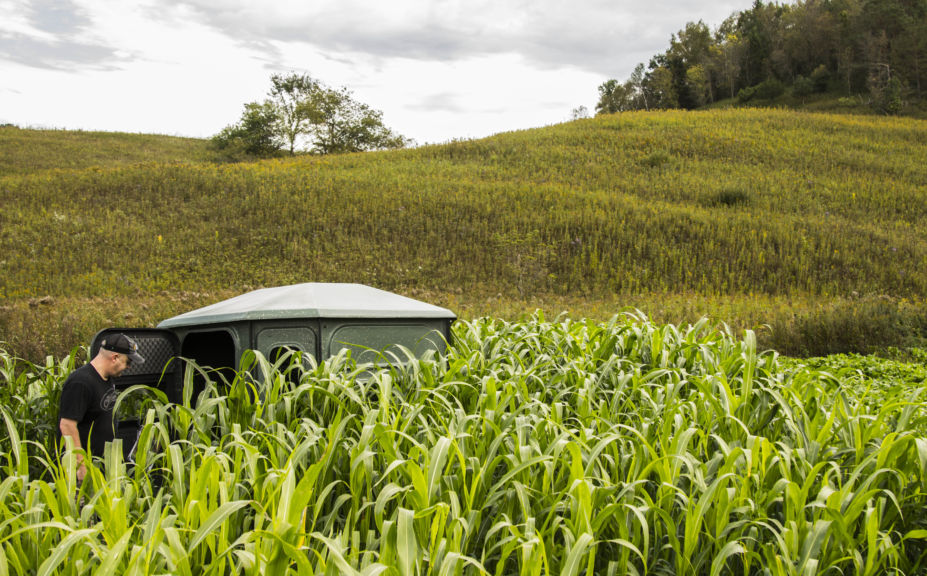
254 136
769 89
886 98
657 158
802 87
820 78
731 197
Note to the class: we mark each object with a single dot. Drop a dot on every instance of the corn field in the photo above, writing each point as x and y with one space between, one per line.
731 214
534 447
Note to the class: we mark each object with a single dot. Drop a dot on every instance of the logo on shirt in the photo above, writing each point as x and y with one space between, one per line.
109 400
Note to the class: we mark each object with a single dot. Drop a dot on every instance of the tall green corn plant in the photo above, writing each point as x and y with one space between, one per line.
532 447
31 393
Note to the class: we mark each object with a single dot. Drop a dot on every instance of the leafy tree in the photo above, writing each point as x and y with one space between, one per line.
754 29
255 134
901 26
890 101
847 47
820 78
698 84
727 56
303 114
346 125
660 88
579 113
877 47
617 97
769 89
912 50
636 84
613 97
809 38
802 87
294 98
687 58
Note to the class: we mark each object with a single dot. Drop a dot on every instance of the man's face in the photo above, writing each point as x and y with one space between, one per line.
121 363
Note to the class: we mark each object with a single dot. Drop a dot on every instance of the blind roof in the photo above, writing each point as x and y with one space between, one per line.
310 300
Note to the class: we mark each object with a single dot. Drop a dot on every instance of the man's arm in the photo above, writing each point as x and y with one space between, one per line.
69 428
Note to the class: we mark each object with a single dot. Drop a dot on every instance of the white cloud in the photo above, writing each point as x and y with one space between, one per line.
438 69
589 34
16 21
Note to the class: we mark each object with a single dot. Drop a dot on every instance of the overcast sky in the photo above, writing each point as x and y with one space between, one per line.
437 69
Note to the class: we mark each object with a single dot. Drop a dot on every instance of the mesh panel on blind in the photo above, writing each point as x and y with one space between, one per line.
156 351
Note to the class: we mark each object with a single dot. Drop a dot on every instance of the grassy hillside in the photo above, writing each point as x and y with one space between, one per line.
31 151
811 224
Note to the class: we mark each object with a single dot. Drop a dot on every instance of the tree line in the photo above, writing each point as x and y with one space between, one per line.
873 48
303 114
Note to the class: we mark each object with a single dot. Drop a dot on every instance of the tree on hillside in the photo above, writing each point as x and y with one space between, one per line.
579 113
255 134
895 29
616 97
637 86
755 27
874 48
659 85
294 98
346 125
303 114
613 97
727 56
688 59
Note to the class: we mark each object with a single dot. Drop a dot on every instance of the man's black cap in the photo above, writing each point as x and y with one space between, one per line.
123 345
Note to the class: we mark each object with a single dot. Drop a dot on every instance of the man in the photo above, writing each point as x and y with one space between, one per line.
89 394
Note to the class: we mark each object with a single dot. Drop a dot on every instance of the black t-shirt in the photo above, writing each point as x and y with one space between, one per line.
88 399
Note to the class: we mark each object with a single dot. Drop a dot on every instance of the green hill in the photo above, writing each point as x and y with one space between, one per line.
812 224
30 151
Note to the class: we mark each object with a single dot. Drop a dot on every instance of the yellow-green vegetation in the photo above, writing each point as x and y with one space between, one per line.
532 448
812 224
31 151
